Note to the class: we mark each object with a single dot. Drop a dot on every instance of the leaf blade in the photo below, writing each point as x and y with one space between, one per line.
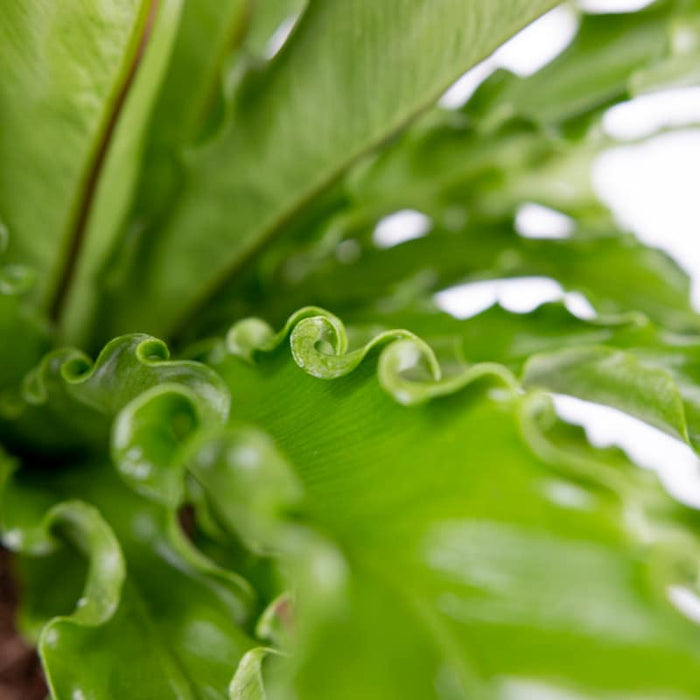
63 70
296 100
421 588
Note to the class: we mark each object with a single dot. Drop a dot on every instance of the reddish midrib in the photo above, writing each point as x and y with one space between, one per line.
77 237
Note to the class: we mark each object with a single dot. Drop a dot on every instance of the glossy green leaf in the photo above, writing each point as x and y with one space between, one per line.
208 33
67 401
626 362
387 509
64 69
248 681
411 52
645 279
117 182
518 139
588 508
448 514
269 17
175 622
655 381
592 73
149 163
24 335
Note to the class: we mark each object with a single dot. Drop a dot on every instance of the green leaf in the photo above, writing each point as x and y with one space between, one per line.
267 17
449 166
626 362
386 510
654 379
517 140
519 122
591 74
679 69
208 34
487 545
24 332
117 180
646 279
173 620
300 124
404 601
181 77
248 681
68 402
64 69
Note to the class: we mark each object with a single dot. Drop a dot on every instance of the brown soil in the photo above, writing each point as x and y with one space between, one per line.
20 672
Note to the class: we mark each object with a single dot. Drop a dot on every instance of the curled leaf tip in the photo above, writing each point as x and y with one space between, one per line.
68 386
408 368
247 336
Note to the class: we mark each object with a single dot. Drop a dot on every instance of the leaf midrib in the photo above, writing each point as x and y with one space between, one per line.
76 235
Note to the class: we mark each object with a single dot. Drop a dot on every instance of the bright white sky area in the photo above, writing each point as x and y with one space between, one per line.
653 189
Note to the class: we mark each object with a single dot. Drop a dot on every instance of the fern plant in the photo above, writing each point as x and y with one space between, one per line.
245 454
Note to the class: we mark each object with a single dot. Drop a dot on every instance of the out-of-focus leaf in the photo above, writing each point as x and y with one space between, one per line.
499 335
173 620
506 143
64 66
646 389
118 177
516 140
680 68
24 334
208 32
66 401
626 362
286 141
645 279
589 75
448 513
267 17
451 166
518 123
248 681
655 379
461 181
187 103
